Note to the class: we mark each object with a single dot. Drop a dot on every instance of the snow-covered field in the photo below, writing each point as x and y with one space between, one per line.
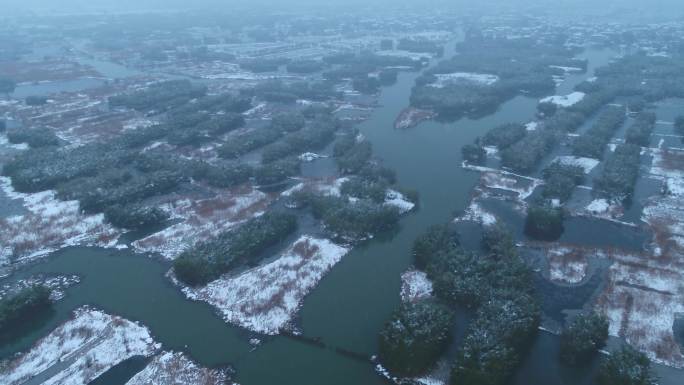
48 225
567 264
203 219
415 285
641 298
265 299
587 164
564 100
446 79
172 368
80 350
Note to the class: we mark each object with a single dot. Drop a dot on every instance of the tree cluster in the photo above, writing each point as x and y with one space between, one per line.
524 155
544 222
627 366
22 306
504 136
594 141
160 96
560 180
639 133
415 337
620 173
206 261
34 137
311 138
583 338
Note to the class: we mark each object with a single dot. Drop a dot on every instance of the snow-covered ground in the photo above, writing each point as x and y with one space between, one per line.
564 100
641 298
310 156
502 180
203 219
398 200
475 213
567 69
48 225
80 350
567 264
265 299
415 286
446 79
587 164
173 368
605 209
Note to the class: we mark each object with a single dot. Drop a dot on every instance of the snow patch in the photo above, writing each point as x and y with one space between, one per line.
415 286
398 200
447 79
587 164
564 100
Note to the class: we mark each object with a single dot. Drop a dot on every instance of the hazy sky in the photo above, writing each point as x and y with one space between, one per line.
672 8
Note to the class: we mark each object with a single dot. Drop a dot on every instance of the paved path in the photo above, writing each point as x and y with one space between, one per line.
68 360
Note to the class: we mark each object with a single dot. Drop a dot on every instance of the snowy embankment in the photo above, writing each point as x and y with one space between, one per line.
172 368
415 286
266 298
80 350
202 220
56 283
48 225
564 100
